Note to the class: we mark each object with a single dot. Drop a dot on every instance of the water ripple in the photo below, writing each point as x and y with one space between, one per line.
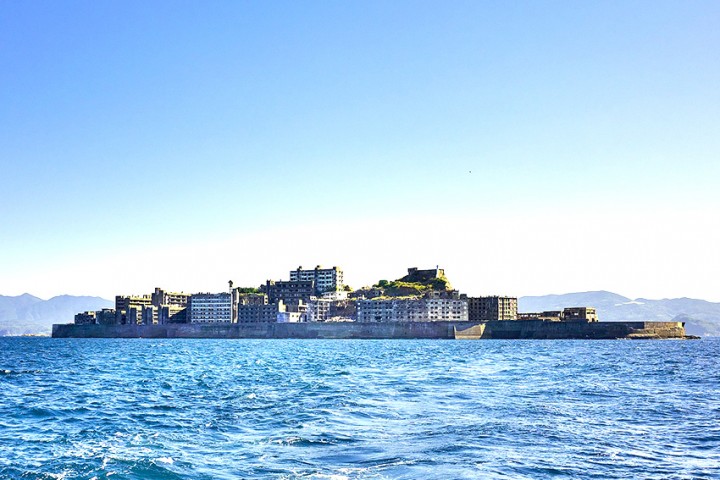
207 409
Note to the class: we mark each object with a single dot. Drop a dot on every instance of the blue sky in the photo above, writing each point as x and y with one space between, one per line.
197 127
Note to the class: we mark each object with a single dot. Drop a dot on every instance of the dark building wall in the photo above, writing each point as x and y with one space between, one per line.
417 275
85 318
257 313
487 309
290 292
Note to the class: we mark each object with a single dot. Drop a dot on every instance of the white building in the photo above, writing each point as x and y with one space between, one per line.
412 310
446 309
210 308
289 317
336 296
326 279
318 309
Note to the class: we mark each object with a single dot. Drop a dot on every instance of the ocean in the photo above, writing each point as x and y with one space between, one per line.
358 409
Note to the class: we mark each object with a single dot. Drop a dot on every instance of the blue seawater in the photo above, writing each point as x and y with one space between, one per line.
337 409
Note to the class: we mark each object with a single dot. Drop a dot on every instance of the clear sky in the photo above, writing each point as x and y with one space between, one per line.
526 147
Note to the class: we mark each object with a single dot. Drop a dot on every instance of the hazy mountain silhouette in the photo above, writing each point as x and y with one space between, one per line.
27 314
701 317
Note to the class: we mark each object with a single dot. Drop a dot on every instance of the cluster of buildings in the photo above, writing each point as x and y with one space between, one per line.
319 295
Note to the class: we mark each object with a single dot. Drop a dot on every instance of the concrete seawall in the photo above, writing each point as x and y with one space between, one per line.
531 329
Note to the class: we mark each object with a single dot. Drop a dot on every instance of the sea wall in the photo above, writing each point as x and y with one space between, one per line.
534 329
531 329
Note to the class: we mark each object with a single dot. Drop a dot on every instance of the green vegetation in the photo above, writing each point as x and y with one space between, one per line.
405 288
247 290
440 283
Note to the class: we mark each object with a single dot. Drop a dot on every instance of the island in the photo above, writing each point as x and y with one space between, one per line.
316 304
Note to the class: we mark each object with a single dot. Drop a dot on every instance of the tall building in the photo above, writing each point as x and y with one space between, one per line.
133 309
128 309
210 308
486 309
293 292
160 297
325 279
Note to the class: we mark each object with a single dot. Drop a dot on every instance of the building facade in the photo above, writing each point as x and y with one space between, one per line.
318 310
160 297
493 308
376 310
106 316
325 279
128 309
293 292
259 313
172 314
580 314
255 308
570 314
135 309
210 308
412 310
446 309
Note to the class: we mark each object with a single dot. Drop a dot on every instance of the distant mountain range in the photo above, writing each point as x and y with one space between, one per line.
27 314
700 317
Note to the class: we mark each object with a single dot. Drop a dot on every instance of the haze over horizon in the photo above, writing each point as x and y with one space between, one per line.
528 149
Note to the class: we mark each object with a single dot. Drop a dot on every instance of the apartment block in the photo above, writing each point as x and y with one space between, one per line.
128 309
293 292
446 309
376 310
324 279
412 310
259 312
492 308
160 297
149 309
318 310
210 308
